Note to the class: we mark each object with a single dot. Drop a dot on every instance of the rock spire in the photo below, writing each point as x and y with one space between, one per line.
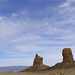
67 55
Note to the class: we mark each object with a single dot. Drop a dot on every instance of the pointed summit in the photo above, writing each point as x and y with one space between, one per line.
38 60
37 65
36 55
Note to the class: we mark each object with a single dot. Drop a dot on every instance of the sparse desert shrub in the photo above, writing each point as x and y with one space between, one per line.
61 73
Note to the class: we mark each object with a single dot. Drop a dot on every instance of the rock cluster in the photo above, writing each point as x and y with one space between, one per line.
68 62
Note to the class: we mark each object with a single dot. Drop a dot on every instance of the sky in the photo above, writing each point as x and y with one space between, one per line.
28 27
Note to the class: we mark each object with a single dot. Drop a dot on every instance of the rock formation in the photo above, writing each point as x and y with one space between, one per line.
38 60
37 65
68 61
67 55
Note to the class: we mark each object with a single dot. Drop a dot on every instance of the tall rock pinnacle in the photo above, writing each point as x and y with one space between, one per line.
68 61
38 60
67 55
37 65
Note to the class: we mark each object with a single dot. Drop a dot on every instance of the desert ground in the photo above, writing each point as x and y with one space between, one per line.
52 72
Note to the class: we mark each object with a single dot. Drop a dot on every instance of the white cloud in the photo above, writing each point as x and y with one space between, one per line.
14 15
26 38
27 48
67 3
28 31
36 35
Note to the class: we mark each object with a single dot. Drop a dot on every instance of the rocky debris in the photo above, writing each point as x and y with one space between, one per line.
37 65
67 55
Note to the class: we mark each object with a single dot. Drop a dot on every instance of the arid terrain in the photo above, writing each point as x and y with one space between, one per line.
52 72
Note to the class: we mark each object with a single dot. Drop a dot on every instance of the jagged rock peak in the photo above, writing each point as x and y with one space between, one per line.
37 55
38 60
67 55
37 65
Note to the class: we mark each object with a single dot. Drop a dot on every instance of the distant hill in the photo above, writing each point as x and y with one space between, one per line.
12 68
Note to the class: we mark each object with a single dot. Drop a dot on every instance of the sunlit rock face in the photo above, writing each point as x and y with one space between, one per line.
38 60
67 55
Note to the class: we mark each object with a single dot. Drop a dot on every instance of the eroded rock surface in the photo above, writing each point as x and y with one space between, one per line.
38 60
37 65
67 55
68 61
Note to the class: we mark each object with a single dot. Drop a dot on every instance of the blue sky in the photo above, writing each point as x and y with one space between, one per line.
28 27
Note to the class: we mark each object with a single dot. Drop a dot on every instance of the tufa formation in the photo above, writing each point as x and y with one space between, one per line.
67 55
37 65
67 63
38 60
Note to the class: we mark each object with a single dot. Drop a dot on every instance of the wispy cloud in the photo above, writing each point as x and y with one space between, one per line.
20 33
19 61
67 3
